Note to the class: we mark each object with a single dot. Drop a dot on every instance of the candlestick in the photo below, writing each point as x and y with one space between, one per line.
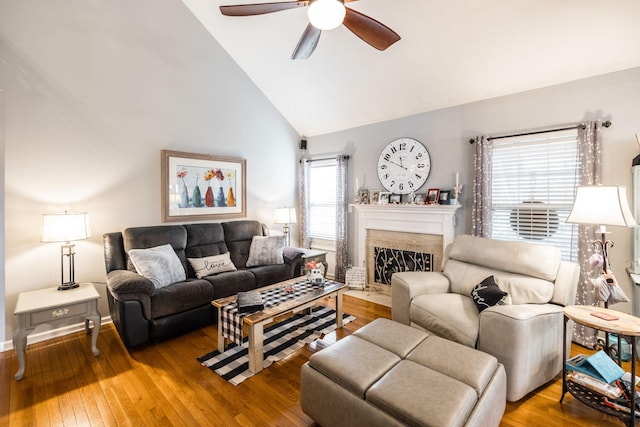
457 174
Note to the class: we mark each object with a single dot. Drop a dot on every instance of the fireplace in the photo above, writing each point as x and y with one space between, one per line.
401 238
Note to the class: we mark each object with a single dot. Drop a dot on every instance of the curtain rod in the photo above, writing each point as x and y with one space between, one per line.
577 126
324 158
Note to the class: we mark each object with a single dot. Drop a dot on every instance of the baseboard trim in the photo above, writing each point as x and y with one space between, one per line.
52 333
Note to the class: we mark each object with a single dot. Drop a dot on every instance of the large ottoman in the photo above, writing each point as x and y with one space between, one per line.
390 374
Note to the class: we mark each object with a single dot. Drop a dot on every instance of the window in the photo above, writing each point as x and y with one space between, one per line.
534 179
322 199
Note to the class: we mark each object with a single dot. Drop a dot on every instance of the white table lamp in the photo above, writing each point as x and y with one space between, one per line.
286 216
66 227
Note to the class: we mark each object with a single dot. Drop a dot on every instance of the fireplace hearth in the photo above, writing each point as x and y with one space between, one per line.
392 238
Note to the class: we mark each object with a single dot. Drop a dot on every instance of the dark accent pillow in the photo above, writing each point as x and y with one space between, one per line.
487 294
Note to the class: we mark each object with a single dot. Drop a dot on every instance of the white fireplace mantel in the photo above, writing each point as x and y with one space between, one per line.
426 219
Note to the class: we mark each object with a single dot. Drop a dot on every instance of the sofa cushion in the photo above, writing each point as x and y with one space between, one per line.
451 316
541 261
266 250
231 282
269 274
392 336
180 297
354 363
418 395
151 236
525 290
238 236
487 294
211 265
465 364
522 289
159 264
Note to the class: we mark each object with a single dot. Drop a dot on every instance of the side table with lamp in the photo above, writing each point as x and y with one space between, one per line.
58 305
602 206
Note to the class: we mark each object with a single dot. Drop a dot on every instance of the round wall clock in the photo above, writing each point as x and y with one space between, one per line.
404 166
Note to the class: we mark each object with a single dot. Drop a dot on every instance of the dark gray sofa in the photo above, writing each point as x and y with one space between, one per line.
144 314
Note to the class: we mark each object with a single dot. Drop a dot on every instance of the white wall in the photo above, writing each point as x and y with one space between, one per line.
94 92
446 132
2 239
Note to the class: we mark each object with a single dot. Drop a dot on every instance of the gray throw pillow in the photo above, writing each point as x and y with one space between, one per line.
212 265
266 250
159 264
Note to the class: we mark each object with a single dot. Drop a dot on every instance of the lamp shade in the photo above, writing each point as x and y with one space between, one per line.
326 14
285 216
601 205
65 227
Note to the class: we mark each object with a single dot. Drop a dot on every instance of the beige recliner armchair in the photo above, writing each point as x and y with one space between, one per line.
523 331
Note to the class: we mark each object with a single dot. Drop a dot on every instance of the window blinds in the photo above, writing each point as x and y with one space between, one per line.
322 199
534 179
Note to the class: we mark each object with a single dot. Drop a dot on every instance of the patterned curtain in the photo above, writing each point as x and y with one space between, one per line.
481 209
590 154
342 163
303 190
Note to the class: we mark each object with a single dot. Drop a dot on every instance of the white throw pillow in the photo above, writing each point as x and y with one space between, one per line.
212 265
266 250
159 264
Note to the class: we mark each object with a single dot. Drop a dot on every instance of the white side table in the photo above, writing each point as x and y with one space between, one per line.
313 255
52 307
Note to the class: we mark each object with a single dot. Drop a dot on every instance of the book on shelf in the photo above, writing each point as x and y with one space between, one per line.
600 387
599 366
249 302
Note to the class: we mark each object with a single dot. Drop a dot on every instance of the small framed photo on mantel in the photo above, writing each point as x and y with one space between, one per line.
444 198
384 197
433 196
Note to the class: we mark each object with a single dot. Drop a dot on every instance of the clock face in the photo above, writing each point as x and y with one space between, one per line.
404 166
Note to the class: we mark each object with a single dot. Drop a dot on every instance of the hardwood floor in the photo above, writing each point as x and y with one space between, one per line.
163 384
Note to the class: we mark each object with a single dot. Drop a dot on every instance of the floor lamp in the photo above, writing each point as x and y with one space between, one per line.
602 206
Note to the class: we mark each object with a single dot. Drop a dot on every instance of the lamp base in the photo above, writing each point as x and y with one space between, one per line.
68 285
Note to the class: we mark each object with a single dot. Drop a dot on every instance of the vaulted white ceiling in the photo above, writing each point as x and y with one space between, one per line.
451 53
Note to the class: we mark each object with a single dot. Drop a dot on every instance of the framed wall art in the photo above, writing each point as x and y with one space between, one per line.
197 187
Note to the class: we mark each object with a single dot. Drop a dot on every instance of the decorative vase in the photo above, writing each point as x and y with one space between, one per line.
184 196
220 201
231 200
208 197
197 197
315 276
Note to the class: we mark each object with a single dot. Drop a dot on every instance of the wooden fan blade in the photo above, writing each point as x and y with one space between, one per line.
260 8
307 43
369 30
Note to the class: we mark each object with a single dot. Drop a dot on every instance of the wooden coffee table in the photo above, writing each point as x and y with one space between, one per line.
255 322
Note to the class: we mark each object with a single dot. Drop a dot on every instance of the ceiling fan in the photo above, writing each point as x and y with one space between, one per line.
323 15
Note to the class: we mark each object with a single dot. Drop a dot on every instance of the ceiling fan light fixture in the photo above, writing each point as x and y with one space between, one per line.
326 14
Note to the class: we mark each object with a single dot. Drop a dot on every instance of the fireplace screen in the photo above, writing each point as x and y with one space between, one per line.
388 261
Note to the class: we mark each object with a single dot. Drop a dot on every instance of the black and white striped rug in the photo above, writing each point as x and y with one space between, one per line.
280 340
